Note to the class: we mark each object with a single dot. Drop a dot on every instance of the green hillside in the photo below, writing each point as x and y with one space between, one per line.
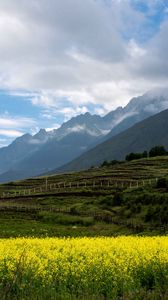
140 137
128 198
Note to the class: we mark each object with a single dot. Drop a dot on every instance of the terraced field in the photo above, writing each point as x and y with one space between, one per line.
99 201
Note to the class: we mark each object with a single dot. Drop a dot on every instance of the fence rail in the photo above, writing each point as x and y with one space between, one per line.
64 186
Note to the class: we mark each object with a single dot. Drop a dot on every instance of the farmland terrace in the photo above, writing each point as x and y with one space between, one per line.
127 198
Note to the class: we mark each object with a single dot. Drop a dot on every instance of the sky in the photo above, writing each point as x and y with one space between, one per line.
61 58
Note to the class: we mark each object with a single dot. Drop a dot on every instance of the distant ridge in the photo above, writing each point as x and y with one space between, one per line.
31 155
142 136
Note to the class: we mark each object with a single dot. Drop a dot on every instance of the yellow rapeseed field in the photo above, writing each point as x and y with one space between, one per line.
106 268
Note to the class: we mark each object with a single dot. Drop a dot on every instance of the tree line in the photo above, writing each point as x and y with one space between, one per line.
153 152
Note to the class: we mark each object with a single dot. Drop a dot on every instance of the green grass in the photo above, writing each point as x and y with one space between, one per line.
91 210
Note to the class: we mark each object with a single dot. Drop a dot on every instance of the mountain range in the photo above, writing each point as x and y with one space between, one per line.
138 138
82 136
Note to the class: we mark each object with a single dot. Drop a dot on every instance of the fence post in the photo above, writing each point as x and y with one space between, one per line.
46 183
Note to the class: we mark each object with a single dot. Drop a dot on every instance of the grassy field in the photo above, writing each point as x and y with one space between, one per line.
133 268
121 199
96 235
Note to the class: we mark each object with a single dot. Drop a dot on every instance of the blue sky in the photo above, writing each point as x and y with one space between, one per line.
64 58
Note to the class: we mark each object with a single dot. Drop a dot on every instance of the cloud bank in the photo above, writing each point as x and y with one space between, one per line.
69 54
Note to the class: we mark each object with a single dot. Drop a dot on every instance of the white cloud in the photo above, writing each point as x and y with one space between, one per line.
75 53
12 127
6 122
70 112
83 128
3 142
135 50
10 133
55 126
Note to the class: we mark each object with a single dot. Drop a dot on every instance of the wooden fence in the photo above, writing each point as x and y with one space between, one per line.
65 186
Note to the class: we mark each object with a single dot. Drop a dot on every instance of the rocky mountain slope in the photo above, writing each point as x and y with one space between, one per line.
31 155
141 136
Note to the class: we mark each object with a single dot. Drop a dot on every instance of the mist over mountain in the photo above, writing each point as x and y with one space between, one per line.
140 137
32 155
138 109
21 148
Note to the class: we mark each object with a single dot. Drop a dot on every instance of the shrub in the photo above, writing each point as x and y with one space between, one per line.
157 151
118 199
136 208
65 219
105 163
162 183
149 214
107 201
133 156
